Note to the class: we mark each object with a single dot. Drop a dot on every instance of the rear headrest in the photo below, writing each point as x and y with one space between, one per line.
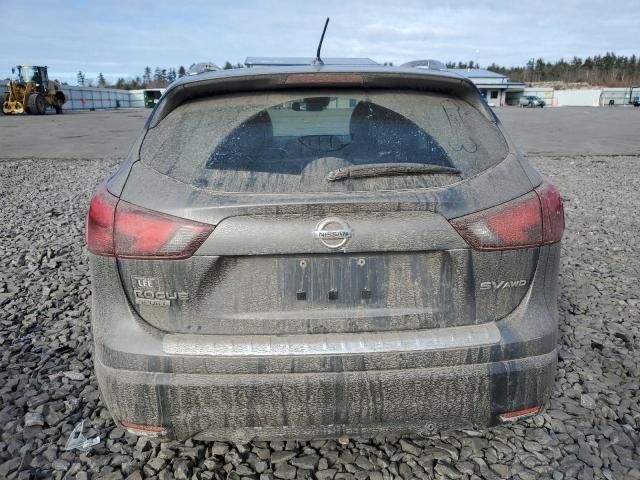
359 125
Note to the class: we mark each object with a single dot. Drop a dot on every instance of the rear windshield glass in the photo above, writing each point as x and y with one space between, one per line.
288 142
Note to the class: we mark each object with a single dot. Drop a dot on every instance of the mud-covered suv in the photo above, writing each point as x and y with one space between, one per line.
319 252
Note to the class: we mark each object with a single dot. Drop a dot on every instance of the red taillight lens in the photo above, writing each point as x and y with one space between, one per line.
535 219
515 224
142 233
552 212
118 228
100 222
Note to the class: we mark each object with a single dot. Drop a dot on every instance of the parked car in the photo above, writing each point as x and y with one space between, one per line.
636 101
324 251
532 101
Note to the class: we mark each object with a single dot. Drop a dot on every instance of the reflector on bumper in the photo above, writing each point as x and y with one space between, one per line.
518 414
145 430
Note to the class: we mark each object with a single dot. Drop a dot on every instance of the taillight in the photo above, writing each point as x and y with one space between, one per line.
100 219
118 228
534 219
552 212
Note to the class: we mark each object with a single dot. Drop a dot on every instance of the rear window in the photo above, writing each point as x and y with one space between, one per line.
288 142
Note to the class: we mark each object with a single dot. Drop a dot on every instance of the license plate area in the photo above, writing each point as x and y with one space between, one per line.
339 280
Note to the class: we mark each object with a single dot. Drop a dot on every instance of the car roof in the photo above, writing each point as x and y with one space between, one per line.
327 68
210 83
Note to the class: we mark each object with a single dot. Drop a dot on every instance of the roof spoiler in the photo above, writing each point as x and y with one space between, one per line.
258 80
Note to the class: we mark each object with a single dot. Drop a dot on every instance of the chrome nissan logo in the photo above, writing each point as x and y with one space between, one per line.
333 232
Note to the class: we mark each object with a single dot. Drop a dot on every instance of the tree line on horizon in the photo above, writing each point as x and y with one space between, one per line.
608 70
157 78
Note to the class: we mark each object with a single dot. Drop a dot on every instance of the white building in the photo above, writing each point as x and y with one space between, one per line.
496 88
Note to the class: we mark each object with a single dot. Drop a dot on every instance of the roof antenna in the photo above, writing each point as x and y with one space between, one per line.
318 61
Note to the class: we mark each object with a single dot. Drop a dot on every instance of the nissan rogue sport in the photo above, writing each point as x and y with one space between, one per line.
323 251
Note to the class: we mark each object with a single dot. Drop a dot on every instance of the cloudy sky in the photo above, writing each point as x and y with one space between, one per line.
118 38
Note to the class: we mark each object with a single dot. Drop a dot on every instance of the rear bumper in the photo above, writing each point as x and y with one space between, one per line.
313 405
442 380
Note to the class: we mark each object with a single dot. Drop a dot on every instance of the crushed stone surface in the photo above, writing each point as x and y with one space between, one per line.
47 384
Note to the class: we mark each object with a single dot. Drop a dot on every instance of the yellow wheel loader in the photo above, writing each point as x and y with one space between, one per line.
33 92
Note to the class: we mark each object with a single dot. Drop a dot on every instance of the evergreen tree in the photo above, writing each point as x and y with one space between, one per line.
608 70
146 76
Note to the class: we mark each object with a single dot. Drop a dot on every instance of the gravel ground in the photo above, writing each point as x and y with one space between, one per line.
47 385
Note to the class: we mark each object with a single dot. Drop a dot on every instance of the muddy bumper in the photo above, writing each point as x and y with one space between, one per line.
308 405
322 385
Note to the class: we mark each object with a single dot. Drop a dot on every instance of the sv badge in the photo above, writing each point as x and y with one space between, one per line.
502 284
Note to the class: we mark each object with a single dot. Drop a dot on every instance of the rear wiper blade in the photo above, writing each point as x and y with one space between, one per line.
387 169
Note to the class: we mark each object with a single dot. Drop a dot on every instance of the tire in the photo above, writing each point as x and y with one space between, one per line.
37 104
31 104
58 101
41 105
